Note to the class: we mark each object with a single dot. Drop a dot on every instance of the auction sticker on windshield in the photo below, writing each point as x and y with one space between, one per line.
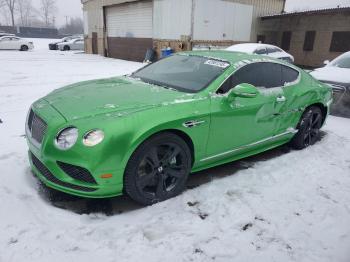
216 63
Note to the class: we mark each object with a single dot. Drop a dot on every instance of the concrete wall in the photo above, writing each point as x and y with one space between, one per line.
167 23
222 21
323 24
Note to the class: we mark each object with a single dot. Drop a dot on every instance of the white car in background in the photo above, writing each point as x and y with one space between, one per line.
2 33
15 43
337 75
262 49
74 44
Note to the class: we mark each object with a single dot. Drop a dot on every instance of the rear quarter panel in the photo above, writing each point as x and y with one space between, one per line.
308 92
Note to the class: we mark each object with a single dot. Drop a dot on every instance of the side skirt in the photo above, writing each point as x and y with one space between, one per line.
245 151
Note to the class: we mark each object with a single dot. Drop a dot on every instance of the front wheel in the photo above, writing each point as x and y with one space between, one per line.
66 48
158 169
309 128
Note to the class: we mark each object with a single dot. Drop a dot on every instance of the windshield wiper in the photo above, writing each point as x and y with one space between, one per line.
157 83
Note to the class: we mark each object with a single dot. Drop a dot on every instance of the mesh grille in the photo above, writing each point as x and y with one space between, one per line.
37 126
30 119
49 176
77 172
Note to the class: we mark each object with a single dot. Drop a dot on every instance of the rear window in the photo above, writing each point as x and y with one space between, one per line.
289 75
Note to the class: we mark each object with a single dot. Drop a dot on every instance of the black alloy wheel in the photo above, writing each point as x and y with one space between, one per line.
309 128
158 169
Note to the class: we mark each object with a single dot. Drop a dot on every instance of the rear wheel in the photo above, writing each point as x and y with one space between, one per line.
158 169
24 48
309 128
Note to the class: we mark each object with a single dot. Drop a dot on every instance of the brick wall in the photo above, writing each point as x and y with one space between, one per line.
323 24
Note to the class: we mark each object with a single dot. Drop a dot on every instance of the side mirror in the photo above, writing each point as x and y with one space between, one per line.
243 90
326 62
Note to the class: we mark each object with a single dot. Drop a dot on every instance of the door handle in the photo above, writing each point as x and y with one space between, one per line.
281 99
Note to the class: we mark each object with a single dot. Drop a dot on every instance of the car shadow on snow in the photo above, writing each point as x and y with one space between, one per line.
122 204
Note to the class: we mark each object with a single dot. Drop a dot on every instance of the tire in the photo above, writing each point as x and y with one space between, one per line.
309 128
158 169
24 48
66 48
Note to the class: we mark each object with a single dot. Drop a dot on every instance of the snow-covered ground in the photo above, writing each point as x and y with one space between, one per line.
281 205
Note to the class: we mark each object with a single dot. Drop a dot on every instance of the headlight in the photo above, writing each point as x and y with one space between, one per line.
66 138
93 137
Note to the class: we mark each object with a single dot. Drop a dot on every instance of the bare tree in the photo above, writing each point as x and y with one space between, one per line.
10 4
48 9
75 26
25 10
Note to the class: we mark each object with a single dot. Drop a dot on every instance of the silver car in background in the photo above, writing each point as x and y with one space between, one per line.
337 75
262 49
74 44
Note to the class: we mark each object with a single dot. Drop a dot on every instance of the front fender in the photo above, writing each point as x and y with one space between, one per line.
160 122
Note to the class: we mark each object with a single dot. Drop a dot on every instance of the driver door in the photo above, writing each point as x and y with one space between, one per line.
245 121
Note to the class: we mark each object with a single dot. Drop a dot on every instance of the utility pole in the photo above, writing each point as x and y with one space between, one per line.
66 16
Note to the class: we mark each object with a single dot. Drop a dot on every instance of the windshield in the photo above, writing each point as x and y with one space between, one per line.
187 73
342 61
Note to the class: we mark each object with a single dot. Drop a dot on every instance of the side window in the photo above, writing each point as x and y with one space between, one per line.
289 75
271 50
265 75
250 74
226 86
260 51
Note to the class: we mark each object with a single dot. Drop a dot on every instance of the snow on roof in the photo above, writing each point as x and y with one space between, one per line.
309 12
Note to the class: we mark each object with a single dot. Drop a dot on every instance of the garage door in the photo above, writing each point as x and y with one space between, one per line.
129 30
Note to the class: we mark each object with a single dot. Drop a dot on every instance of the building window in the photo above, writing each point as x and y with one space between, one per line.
309 40
286 38
340 42
261 38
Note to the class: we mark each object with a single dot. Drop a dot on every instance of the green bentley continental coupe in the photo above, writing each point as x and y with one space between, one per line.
143 134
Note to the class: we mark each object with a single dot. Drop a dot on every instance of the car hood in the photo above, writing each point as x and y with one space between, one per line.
332 74
115 95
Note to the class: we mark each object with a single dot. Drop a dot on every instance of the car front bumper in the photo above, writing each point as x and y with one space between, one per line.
82 173
53 176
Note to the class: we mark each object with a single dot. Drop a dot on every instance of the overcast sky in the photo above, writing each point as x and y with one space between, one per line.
69 8
297 5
